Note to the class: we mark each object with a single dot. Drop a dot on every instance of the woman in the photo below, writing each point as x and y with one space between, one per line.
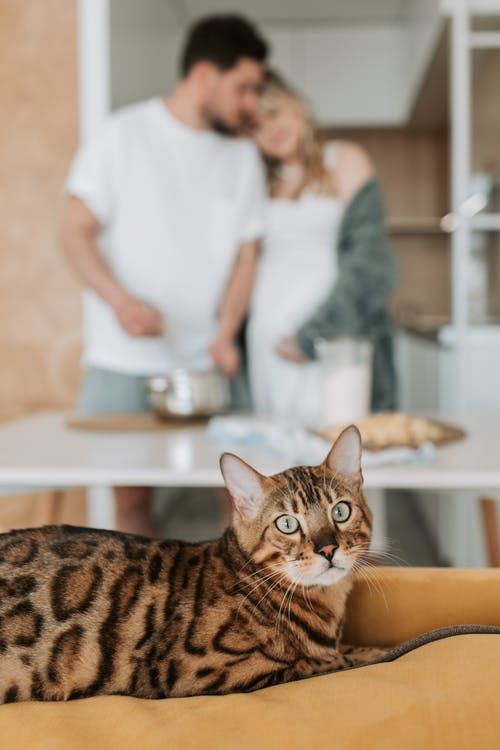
326 269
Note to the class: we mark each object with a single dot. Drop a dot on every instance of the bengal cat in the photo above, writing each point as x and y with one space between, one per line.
86 612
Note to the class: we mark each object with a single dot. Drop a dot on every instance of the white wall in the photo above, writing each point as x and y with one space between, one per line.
353 75
426 22
427 385
145 43
94 79
485 7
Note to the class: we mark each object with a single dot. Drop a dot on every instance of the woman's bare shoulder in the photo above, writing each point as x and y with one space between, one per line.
353 168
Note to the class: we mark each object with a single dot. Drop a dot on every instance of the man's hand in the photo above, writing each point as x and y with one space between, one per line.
137 318
225 355
79 238
233 307
288 349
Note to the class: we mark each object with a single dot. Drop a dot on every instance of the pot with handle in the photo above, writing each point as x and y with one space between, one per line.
189 393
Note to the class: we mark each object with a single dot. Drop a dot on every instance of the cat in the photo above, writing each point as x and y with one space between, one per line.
88 612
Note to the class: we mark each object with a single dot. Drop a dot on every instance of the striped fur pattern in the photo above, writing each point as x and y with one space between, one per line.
86 612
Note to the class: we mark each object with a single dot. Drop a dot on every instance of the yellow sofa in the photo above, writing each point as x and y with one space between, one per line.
445 694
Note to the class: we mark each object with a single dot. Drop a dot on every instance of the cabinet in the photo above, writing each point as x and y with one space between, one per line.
473 104
425 368
458 370
428 171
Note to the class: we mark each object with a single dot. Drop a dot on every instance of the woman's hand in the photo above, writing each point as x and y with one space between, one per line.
137 318
225 355
288 349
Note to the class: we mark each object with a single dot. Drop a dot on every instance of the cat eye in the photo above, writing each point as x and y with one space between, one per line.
341 512
287 524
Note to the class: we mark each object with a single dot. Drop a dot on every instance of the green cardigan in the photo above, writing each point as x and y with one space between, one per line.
358 302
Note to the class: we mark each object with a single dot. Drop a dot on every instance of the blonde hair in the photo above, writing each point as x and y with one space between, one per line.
278 95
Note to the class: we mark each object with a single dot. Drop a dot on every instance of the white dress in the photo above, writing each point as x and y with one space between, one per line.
297 270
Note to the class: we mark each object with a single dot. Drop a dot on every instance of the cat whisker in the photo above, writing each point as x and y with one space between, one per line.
251 562
251 586
389 557
273 566
262 581
374 585
248 562
386 544
359 570
307 596
373 554
281 570
288 599
290 603
270 589
281 607
306 599
277 569
259 572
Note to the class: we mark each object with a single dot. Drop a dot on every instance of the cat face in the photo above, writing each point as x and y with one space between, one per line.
307 525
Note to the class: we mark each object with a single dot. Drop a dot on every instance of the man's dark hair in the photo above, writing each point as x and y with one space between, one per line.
222 40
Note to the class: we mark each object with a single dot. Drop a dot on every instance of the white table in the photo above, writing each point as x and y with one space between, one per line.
40 451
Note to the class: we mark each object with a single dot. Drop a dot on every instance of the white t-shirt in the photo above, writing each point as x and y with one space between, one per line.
175 204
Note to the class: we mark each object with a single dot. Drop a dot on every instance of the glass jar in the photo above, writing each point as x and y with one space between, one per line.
346 379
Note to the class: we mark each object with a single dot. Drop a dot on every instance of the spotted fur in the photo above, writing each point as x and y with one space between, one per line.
86 612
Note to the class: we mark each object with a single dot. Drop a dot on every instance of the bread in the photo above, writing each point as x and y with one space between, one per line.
391 429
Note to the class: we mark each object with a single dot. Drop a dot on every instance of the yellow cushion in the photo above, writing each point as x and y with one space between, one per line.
442 695
391 605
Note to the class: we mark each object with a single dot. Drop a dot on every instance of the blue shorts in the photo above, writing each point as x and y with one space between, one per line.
110 392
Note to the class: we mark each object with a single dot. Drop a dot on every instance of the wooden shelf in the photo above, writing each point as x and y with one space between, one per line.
487 222
415 225
484 39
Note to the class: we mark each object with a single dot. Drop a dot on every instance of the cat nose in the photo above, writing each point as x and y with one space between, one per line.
328 551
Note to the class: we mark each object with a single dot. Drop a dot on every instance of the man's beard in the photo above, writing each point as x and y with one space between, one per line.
219 126
244 129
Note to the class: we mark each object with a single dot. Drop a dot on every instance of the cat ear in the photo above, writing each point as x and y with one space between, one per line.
345 456
244 483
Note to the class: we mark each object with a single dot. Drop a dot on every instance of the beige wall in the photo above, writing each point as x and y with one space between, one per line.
39 304
39 299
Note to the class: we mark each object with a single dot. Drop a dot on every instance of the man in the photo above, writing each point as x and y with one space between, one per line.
161 224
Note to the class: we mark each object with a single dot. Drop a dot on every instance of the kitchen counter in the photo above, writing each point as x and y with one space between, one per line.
41 450
442 332
421 332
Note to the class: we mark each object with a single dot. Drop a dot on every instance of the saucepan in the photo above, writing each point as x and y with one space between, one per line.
189 393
